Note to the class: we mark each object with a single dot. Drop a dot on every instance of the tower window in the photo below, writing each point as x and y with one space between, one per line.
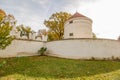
70 22
70 34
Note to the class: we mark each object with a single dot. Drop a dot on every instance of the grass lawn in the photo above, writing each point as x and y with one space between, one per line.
51 68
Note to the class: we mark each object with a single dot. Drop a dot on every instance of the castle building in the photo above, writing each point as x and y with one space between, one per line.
78 26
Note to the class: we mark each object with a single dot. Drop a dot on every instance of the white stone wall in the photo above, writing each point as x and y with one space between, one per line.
81 28
21 48
71 48
84 48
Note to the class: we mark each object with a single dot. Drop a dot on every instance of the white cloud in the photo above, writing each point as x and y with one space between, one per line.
104 13
105 16
74 6
43 2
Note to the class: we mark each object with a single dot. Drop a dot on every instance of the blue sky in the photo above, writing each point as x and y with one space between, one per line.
104 13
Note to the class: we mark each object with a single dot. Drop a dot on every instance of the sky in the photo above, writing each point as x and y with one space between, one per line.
104 13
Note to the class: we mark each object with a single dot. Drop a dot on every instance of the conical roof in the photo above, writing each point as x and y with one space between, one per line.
76 15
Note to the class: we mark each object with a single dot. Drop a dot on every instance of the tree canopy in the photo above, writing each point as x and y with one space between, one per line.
5 38
55 24
24 31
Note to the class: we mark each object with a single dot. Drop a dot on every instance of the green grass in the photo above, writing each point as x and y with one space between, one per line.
50 68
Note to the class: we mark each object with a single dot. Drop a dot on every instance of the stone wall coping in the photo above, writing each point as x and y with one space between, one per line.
86 39
28 40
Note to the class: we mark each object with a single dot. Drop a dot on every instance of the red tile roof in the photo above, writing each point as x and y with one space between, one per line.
77 15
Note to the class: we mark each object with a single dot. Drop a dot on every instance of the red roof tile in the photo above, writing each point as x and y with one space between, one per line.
77 15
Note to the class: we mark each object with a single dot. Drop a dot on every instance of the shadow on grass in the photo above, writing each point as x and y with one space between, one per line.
43 66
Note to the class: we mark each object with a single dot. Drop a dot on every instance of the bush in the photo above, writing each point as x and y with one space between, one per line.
42 51
2 64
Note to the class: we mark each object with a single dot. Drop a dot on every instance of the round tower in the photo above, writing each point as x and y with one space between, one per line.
78 26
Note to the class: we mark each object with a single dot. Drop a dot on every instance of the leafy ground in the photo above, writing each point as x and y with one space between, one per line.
50 68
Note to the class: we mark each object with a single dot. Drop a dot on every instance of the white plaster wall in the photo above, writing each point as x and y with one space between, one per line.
81 28
21 48
71 48
84 48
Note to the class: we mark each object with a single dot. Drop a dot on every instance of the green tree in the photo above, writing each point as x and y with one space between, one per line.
28 31
24 30
55 24
41 32
5 38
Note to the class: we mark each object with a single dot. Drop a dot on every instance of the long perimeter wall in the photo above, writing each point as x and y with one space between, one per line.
84 48
71 48
21 48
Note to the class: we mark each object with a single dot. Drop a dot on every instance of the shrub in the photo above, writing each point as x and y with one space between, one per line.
42 51
92 58
2 64
117 59
112 58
